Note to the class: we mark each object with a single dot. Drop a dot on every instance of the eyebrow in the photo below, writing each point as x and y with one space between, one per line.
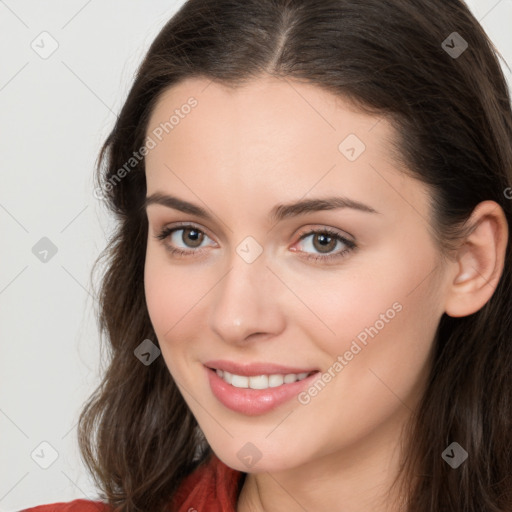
278 213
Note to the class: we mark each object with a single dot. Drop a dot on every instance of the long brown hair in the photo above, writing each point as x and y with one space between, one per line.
452 114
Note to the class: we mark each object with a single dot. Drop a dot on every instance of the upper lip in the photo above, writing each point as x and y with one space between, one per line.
257 368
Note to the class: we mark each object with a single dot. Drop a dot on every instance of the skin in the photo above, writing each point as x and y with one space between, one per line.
238 154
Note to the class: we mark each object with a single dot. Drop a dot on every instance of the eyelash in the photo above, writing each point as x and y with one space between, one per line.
166 232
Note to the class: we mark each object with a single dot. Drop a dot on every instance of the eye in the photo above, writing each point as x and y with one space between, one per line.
325 241
187 234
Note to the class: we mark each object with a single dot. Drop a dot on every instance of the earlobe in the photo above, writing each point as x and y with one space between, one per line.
480 260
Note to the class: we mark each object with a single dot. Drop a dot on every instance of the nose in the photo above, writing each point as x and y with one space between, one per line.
246 303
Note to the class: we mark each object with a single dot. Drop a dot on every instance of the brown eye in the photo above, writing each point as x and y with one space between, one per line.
192 237
323 242
184 240
325 245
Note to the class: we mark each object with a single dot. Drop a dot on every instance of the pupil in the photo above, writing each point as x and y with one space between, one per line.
325 242
194 235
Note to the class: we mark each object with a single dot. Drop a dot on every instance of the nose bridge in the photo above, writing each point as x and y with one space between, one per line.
245 301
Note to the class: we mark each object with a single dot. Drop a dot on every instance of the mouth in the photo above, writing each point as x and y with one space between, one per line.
257 394
261 381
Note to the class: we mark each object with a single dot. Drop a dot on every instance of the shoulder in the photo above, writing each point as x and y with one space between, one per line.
71 506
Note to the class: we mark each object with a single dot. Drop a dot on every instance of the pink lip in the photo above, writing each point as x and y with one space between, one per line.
252 402
253 369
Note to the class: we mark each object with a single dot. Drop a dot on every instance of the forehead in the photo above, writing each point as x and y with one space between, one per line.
275 135
261 109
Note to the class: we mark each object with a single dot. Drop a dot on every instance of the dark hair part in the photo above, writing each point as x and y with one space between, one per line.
454 128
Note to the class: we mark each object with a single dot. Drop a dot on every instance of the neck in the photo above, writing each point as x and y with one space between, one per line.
354 479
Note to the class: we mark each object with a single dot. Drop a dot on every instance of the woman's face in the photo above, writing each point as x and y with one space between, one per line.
257 284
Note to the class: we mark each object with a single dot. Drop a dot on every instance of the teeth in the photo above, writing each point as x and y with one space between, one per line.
239 381
260 381
228 377
275 380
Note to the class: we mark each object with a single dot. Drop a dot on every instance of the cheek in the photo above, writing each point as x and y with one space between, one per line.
174 296
384 321
389 340
334 303
382 315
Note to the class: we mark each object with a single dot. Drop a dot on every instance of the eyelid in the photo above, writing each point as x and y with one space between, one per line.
319 228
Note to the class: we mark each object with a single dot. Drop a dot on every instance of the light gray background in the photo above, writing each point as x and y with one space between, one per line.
55 113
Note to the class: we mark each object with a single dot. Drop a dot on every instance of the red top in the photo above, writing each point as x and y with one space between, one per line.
212 487
71 506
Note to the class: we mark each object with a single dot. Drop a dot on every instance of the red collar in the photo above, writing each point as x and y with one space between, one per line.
212 486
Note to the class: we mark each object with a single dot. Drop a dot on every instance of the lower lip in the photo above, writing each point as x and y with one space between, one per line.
252 402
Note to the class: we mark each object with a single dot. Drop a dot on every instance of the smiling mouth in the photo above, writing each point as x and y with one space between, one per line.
263 381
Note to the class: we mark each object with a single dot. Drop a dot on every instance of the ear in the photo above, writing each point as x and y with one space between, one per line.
479 262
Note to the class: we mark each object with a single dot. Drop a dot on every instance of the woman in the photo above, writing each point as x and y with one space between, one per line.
307 299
